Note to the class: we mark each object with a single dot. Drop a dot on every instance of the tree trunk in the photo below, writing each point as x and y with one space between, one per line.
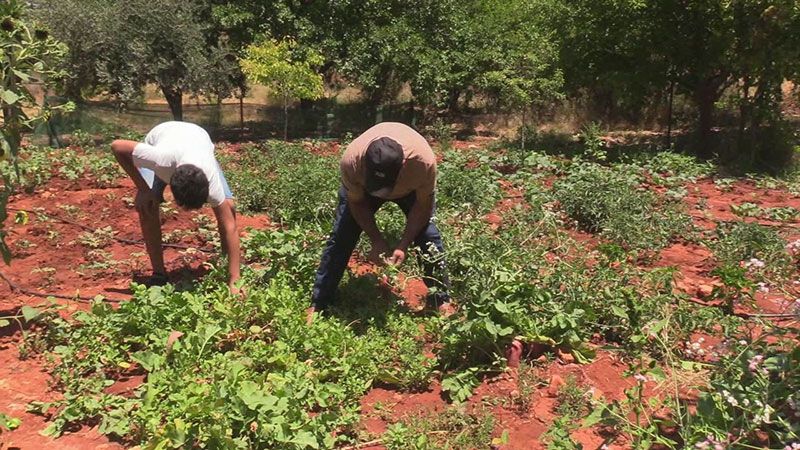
174 96
241 115
704 97
669 113
452 100
285 117
744 118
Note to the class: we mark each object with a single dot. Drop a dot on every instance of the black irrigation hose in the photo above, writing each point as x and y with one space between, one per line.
76 298
744 315
119 239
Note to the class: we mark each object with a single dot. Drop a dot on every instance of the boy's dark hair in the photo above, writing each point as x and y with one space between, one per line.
189 186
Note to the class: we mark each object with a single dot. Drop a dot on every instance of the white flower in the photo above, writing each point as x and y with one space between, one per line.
755 263
764 416
640 378
763 288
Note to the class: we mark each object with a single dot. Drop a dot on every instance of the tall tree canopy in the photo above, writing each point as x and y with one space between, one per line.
121 45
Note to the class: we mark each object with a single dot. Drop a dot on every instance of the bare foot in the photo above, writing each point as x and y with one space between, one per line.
310 315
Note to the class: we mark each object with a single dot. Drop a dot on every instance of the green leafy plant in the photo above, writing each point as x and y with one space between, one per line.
612 202
740 243
9 423
452 429
287 68
29 56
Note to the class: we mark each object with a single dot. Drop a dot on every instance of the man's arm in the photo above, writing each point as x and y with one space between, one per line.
365 218
123 152
418 219
229 236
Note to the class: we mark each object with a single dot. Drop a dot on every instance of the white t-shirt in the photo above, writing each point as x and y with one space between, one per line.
172 144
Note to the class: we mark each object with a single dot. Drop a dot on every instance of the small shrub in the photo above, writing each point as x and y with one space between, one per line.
740 242
464 182
612 203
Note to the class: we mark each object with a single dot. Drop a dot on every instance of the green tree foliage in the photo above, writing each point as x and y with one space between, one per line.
287 69
28 57
121 46
519 57
80 25
625 51
445 50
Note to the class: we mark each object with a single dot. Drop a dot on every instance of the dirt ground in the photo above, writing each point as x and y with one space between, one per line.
52 256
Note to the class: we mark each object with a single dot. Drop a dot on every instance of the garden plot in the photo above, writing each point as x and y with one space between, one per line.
625 304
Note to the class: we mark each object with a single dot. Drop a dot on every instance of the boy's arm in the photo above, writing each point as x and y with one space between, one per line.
229 235
146 201
123 152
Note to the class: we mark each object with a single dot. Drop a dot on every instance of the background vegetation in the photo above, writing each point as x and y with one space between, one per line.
715 67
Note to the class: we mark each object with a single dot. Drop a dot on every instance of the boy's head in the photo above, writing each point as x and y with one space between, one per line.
189 186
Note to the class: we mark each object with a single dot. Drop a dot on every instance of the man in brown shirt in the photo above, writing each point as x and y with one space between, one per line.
389 162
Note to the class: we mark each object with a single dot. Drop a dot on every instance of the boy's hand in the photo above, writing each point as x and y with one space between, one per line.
236 290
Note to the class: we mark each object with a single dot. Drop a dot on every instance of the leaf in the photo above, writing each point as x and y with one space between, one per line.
4 323
689 365
501 307
305 439
502 440
9 97
657 374
619 312
21 218
253 397
22 75
29 313
5 147
148 360
491 327
595 417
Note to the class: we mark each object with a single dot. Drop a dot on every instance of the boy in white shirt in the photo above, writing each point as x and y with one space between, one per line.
181 155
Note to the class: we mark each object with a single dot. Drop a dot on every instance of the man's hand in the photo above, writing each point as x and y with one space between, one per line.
397 257
378 252
146 201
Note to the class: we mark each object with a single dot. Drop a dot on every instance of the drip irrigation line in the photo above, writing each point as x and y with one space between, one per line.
77 298
381 441
116 238
744 315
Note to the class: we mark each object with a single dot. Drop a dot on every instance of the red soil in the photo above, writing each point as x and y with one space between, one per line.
41 244
48 256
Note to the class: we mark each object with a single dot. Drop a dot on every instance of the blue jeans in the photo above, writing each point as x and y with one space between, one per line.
344 238
157 185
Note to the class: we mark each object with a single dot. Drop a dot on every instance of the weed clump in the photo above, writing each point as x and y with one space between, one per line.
612 203
753 245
